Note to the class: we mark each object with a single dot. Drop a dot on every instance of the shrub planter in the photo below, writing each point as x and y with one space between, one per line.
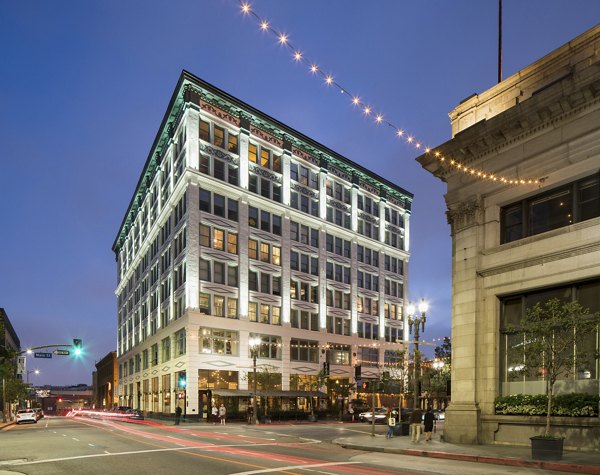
543 448
312 418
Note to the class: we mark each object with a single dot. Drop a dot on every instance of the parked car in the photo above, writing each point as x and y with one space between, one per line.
380 415
26 415
440 415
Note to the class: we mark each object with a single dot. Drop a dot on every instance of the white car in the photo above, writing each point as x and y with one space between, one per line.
380 415
26 415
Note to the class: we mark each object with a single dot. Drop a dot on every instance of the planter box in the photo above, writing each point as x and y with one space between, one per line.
546 449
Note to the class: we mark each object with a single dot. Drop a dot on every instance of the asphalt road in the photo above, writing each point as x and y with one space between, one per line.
78 445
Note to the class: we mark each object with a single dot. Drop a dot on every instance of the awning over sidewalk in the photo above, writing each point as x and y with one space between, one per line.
269 393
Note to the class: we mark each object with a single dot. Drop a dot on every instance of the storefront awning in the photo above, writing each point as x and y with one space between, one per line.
269 393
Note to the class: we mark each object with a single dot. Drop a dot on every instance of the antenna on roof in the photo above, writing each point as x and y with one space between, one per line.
499 40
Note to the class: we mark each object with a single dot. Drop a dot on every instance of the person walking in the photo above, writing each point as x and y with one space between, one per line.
177 415
415 425
222 413
391 420
214 413
250 414
429 421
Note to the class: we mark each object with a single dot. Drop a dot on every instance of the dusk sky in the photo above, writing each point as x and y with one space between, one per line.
84 86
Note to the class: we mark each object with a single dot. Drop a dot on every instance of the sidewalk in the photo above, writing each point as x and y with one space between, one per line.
575 462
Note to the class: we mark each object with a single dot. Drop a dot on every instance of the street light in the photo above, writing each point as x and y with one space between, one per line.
254 343
36 371
416 320
438 364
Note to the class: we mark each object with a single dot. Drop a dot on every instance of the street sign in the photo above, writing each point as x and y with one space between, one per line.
42 355
61 352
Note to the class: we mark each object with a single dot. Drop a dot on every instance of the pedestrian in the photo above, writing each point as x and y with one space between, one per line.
250 413
415 425
429 421
391 420
214 413
351 412
222 413
177 415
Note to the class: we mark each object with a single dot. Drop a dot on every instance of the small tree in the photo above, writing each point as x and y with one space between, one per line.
553 343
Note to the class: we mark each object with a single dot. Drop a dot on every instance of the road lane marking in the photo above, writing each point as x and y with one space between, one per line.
91 445
75 439
295 467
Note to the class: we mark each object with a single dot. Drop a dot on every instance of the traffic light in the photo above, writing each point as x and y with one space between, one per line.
77 346
365 385
326 369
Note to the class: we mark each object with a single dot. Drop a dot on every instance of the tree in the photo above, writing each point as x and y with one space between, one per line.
444 351
553 343
396 367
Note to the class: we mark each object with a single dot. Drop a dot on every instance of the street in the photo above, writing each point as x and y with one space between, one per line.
57 445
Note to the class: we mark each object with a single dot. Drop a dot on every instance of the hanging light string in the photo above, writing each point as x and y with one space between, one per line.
368 111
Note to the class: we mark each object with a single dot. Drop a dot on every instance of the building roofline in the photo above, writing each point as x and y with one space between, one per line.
186 76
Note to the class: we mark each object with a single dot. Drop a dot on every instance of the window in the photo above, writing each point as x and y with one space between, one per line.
154 354
393 288
264 187
218 205
304 263
367 305
393 334
304 234
218 239
338 325
264 252
338 214
264 157
338 354
270 346
304 350
576 202
304 291
268 222
370 331
305 203
166 349
180 342
368 356
338 299
304 320
395 265
338 246
367 256
220 342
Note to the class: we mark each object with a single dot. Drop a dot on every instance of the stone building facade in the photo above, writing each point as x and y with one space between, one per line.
241 227
521 243
105 383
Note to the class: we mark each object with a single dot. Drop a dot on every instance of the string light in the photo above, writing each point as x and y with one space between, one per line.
283 40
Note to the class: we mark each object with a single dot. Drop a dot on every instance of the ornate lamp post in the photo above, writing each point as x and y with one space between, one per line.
416 320
254 344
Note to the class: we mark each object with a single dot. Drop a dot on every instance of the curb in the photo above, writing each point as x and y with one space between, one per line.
554 466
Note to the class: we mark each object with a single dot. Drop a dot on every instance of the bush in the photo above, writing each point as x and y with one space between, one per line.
574 405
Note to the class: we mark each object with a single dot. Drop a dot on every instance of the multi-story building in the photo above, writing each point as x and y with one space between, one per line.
242 227
515 244
105 381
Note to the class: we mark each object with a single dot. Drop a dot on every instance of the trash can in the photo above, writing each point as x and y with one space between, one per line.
402 428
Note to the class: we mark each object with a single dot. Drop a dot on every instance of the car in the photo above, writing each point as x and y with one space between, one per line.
380 415
39 413
440 415
26 415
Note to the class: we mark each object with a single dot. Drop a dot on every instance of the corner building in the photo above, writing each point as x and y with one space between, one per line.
516 245
242 227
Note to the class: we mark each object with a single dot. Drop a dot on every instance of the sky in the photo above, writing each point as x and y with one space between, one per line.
84 86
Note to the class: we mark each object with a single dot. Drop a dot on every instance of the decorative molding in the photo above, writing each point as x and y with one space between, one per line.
215 152
465 215
305 156
369 188
265 173
338 205
207 218
266 136
340 174
221 114
220 364
394 229
368 217
304 190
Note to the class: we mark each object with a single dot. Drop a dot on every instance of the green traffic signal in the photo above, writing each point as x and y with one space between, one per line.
77 346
